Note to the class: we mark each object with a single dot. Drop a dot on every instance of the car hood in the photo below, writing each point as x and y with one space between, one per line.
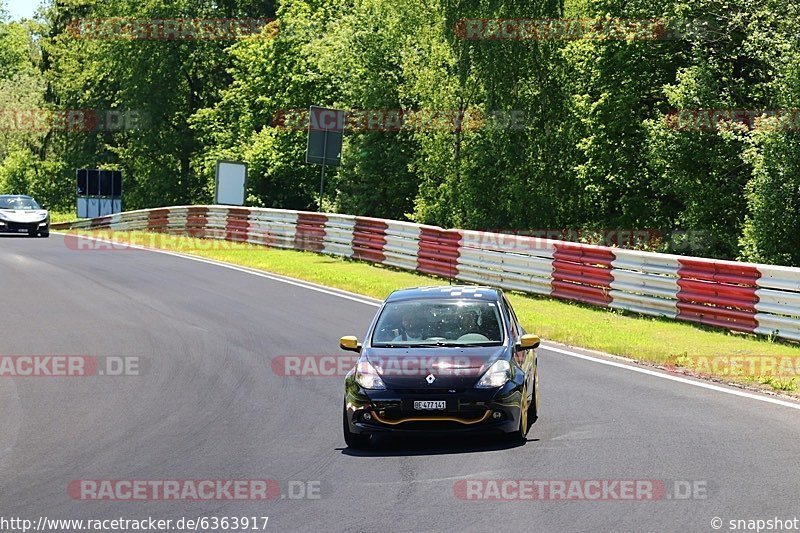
23 215
451 368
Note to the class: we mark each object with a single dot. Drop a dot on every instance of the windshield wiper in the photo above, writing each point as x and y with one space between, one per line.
438 344
415 345
427 344
392 345
468 344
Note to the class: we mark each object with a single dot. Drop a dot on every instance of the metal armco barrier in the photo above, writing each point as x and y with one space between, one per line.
752 298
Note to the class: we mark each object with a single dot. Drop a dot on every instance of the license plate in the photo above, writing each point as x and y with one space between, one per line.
430 405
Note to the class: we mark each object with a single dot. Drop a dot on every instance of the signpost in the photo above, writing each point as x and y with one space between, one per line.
325 131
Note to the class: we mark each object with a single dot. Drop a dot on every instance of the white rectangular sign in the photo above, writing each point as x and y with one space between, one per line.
231 182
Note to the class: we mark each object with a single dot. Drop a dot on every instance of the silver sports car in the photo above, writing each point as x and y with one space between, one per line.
21 214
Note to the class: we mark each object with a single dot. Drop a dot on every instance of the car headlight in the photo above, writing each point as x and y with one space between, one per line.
368 377
496 376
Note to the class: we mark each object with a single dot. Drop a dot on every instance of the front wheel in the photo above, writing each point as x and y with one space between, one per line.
353 440
520 434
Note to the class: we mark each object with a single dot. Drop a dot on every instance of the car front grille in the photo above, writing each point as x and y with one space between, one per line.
16 226
421 420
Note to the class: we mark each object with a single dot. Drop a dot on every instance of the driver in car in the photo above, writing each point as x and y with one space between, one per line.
409 329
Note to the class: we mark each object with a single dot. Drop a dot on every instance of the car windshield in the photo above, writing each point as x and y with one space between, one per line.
438 322
18 202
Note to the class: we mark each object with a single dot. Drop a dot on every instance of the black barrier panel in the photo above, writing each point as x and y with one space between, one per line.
94 183
82 176
99 192
105 183
116 183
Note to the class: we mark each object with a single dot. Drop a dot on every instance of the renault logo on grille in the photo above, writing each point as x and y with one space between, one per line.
430 379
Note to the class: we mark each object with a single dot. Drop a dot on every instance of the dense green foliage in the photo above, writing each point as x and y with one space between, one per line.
534 133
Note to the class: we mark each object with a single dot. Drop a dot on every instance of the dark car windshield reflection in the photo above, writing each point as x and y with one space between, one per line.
438 322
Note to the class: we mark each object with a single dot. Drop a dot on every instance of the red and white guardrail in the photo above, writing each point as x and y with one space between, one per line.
744 297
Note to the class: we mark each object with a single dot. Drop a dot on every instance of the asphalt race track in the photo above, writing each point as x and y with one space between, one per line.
208 405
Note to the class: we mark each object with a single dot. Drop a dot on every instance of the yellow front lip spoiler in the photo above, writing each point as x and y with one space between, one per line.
464 421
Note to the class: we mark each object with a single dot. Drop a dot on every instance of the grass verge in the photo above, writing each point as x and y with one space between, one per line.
59 216
651 340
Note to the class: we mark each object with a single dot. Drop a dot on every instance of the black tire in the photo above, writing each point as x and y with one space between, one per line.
353 440
533 408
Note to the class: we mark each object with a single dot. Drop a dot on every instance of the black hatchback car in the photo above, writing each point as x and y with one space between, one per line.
442 359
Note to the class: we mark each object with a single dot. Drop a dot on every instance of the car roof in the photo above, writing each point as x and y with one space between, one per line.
15 196
489 294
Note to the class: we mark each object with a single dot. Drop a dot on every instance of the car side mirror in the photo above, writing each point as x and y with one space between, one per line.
528 341
350 343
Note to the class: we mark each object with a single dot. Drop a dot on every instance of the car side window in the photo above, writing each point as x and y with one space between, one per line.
519 326
512 318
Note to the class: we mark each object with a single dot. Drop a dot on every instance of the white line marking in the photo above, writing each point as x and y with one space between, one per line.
701 384
376 303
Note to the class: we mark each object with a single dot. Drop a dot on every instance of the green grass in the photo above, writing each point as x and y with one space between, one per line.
56 217
646 339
